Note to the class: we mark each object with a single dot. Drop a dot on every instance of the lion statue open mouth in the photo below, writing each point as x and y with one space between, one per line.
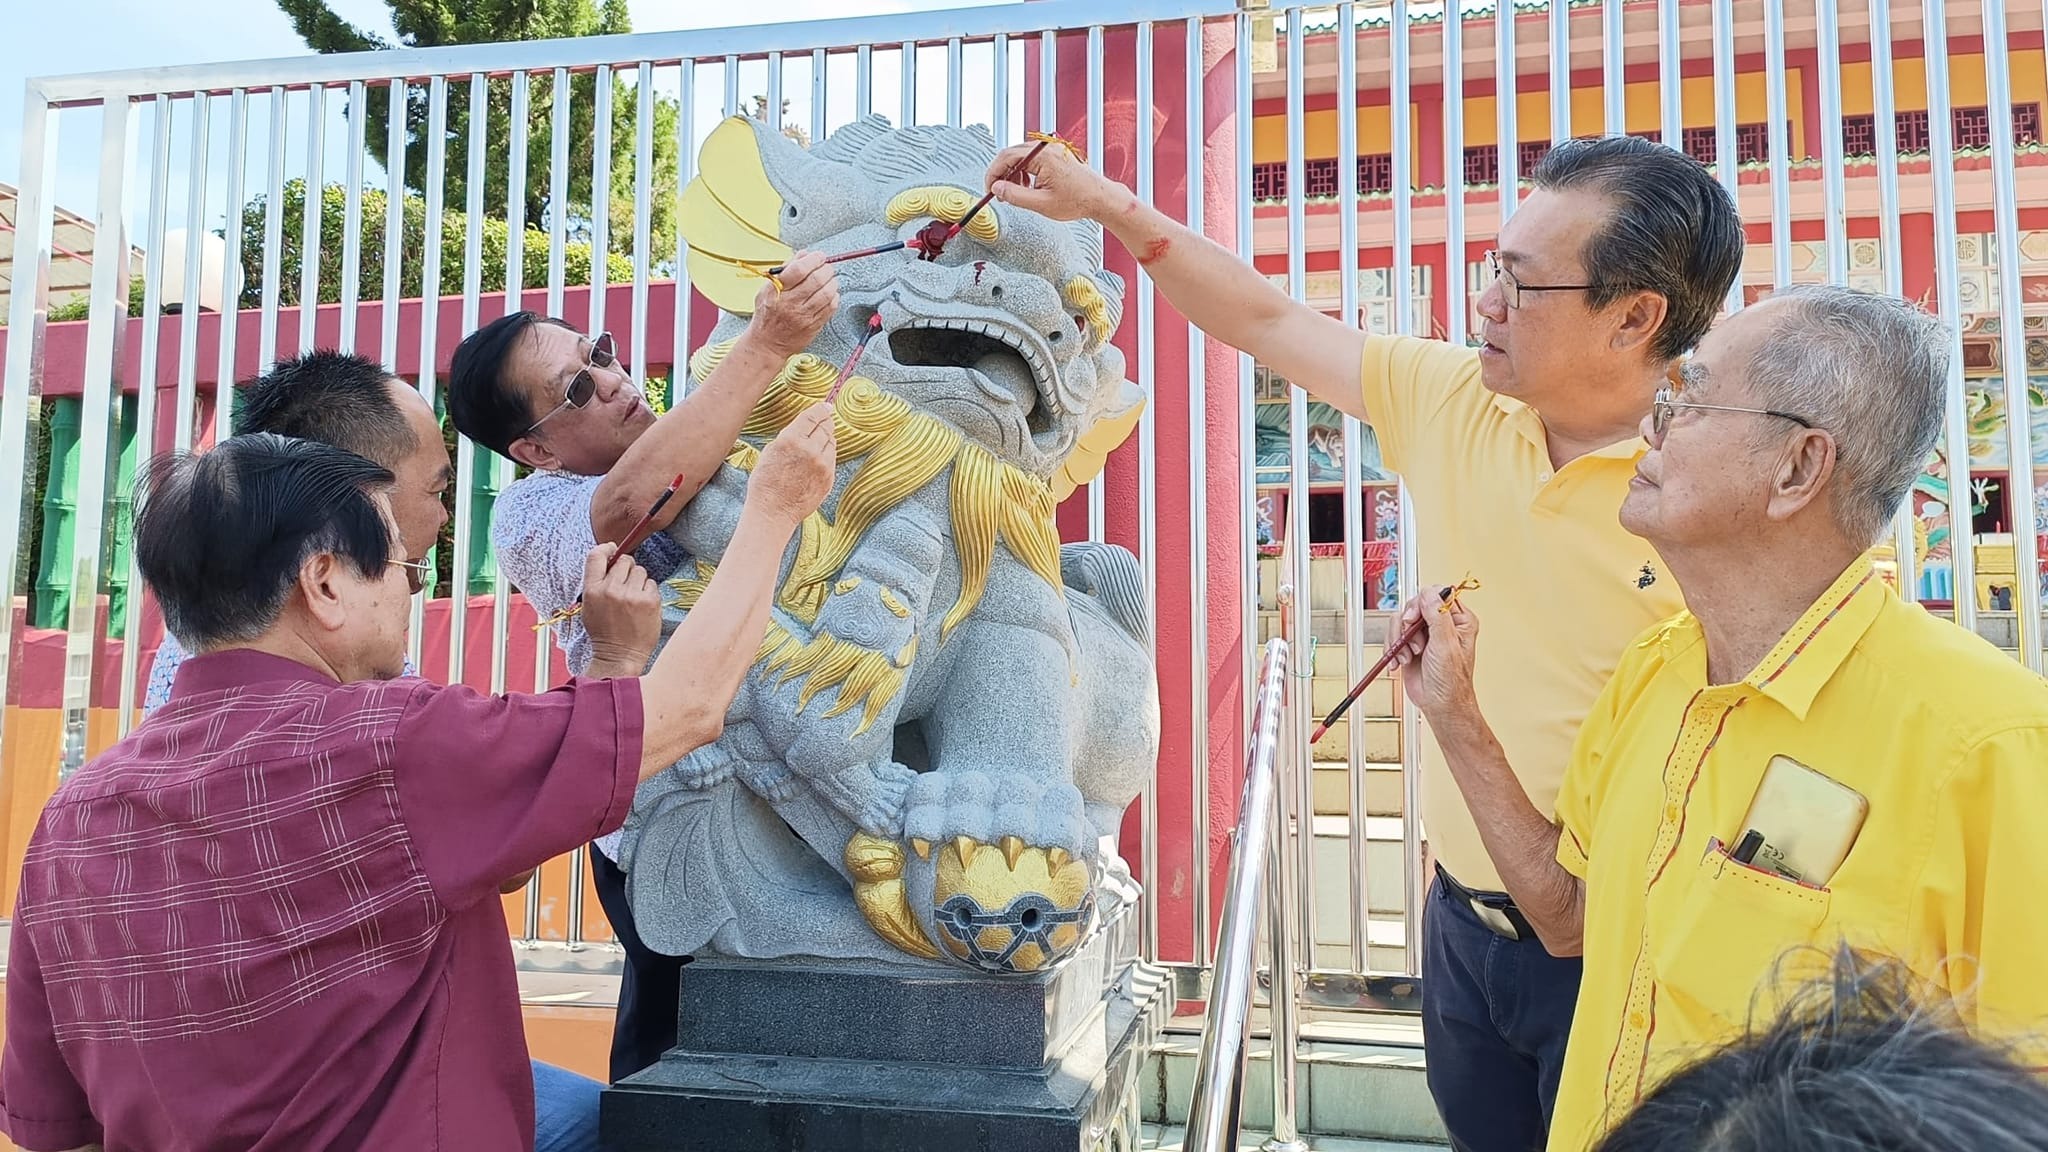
951 710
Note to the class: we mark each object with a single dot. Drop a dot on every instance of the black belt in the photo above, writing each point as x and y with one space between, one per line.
1496 910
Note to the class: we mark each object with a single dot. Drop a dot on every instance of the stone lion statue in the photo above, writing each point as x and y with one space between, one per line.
951 710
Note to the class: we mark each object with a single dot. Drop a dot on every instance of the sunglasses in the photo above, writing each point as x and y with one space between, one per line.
583 385
415 573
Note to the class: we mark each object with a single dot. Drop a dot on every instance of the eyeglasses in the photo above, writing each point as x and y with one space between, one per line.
583 385
1663 406
415 572
1511 289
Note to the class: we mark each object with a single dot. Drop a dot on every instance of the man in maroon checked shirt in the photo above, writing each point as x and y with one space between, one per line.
268 918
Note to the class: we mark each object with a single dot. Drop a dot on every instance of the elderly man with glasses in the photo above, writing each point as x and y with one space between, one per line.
1517 454
1800 757
535 390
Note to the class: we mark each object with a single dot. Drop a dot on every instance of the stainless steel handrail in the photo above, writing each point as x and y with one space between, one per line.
1258 844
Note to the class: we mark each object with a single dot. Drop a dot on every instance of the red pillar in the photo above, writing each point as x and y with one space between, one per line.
1161 115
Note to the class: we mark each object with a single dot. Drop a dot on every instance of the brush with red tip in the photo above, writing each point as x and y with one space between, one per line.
846 373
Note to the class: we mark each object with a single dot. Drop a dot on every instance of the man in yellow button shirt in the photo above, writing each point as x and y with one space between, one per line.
1800 758
1516 455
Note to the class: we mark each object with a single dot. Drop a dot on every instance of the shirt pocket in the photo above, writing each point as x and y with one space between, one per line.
1724 943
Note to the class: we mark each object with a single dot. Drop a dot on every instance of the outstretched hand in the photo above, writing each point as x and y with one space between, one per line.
1053 184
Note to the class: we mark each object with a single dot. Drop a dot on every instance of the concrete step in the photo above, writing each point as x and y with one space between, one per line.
1360 1079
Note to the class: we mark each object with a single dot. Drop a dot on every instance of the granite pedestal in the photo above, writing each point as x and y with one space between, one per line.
814 1057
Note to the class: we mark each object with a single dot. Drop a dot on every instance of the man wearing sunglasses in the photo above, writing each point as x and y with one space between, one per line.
1516 455
535 390
1798 759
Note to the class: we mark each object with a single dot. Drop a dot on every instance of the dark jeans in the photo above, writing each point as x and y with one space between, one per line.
1495 1015
649 986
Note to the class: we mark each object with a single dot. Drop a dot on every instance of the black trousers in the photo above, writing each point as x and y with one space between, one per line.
649 986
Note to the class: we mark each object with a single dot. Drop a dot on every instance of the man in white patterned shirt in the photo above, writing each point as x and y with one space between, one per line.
536 391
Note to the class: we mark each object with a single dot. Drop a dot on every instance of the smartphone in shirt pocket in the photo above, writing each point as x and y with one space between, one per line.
1801 824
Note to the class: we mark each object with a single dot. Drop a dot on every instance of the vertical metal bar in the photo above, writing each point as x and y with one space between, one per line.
352 222
312 207
1283 926
772 107
187 407
999 114
953 82
1354 533
1198 516
1247 453
515 274
643 215
600 196
863 81
105 332
686 163
907 98
230 282
1416 882
1403 286
1048 81
1455 309
1941 170
1778 131
558 186
732 86
1148 463
430 328
1509 156
145 380
1834 191
2019 475
27 305
1560 65
1670 76
1098 512
819 124
1884 105
394 223
472 309
1725 167
1294 842
1614 68
273 238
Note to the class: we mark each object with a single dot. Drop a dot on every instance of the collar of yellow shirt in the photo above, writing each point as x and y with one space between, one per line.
1795 669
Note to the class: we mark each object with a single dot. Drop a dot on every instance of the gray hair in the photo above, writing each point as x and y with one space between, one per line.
1871 370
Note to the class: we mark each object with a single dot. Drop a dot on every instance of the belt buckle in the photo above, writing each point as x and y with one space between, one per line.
1494 918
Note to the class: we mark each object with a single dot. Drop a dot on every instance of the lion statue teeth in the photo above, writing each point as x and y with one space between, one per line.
951 710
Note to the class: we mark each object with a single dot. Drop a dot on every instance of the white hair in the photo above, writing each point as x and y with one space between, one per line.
1872 371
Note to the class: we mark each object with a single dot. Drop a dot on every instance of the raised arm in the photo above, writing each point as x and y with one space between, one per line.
1219 293
684 696
1436 671
695 435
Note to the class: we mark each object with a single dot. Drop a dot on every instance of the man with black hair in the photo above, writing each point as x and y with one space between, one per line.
1517 455
352 403
268 917
535 390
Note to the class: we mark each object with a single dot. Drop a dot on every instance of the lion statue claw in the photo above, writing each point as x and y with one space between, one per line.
951 710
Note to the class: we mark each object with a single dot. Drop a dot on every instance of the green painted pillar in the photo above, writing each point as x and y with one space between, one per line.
60 516
483 563
121 524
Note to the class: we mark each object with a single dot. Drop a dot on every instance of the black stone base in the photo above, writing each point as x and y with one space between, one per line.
867 1061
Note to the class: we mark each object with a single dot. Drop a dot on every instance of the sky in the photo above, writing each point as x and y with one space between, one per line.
72 36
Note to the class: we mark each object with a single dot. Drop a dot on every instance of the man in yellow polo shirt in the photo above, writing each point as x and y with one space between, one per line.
1516 455
1799 758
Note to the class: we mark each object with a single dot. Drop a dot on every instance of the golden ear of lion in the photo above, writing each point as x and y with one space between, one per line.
731 215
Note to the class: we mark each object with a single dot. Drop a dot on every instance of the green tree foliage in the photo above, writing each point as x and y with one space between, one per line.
412 242
435 23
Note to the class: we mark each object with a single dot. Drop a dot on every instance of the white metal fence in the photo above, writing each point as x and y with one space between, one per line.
193 146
